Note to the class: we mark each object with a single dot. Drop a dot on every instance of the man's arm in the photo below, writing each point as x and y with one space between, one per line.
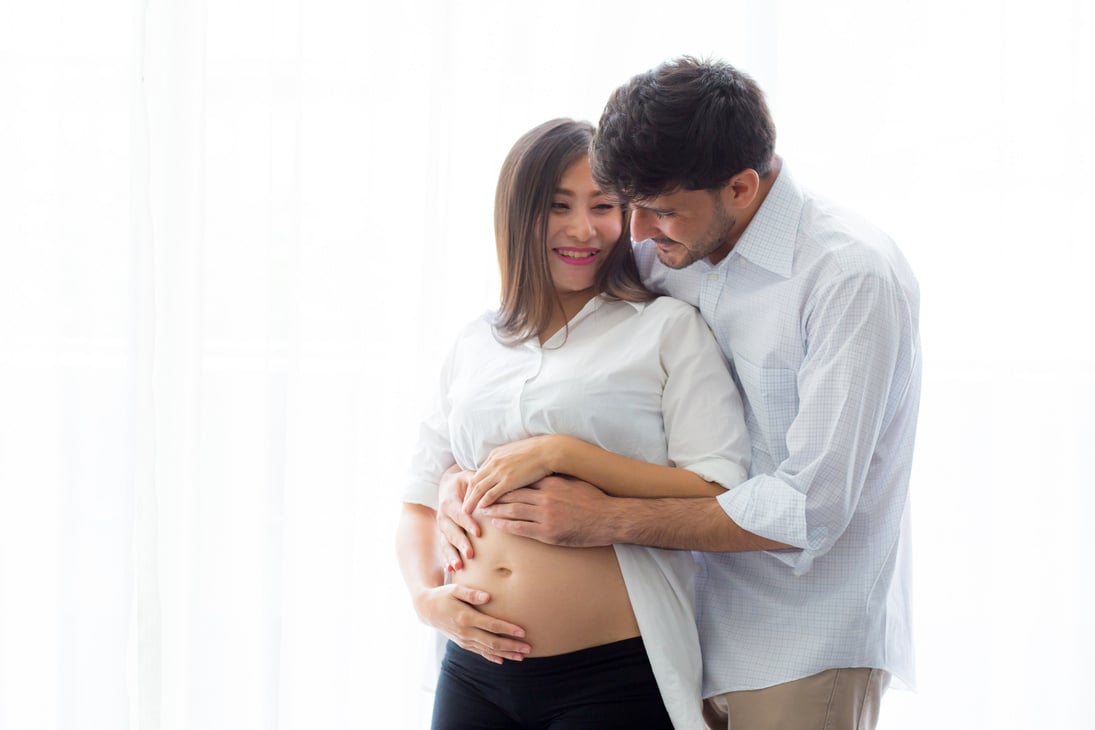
705 431
564 511
861 353
520 463
451 609
859 328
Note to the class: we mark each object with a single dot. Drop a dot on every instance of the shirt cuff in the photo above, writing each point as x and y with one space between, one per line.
771 508
423 493
720 471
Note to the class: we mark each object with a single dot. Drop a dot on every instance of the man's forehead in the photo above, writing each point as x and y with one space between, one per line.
661 200
673 200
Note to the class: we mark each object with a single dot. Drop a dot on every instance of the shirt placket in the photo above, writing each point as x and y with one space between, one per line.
531 368
711 292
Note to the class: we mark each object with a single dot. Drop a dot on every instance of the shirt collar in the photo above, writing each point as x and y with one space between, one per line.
769 239
596 302
637 306
589 308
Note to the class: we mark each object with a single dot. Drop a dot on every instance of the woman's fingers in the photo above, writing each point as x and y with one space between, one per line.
456 539
490 637
477 485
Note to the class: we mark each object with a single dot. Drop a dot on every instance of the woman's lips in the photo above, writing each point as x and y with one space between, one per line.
576 256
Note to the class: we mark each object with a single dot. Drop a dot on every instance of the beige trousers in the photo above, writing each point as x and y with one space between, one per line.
837 699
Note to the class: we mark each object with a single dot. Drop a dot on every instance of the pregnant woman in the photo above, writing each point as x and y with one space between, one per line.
581 372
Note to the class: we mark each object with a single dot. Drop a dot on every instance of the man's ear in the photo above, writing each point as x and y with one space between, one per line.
741 190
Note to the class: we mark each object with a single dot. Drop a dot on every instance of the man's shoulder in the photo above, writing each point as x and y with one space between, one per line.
837 241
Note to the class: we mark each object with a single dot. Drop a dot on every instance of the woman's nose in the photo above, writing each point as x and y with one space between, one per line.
581 226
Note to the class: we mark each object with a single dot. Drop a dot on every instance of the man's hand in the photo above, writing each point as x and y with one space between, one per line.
453 522
451 609
558 511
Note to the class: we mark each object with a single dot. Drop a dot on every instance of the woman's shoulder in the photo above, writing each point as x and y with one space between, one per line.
665 318
474 332
678 324
668 308
482 323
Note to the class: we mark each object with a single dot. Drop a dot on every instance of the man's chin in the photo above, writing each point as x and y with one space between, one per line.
677 259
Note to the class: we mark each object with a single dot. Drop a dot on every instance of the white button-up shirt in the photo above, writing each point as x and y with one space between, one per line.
817 313
643 380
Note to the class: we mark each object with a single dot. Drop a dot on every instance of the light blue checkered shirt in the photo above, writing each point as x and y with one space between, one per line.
817 312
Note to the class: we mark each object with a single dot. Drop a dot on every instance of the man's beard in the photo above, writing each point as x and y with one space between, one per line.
714 238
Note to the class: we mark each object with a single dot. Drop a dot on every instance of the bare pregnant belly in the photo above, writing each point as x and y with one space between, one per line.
566 599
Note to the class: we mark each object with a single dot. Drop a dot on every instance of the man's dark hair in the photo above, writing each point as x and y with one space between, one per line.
687 124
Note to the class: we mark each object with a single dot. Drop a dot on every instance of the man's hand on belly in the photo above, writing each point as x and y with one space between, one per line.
451 609
557 511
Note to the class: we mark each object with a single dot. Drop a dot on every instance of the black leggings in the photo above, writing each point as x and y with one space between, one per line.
600 688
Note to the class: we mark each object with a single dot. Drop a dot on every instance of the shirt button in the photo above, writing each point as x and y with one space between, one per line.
712 276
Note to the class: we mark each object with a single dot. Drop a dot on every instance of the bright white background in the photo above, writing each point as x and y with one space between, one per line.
237 236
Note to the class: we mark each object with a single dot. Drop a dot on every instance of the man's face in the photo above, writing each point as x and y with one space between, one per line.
687 225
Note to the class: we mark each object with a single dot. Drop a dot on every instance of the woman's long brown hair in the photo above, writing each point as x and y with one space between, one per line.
529 178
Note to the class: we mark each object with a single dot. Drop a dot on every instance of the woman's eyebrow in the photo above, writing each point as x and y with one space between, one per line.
571 193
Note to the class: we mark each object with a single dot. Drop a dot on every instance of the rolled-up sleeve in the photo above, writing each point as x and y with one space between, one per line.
854 330
701 407
432 453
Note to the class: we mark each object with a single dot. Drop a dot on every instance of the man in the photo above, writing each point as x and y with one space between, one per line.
817 314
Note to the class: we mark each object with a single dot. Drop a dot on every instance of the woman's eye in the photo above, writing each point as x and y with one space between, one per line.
557 205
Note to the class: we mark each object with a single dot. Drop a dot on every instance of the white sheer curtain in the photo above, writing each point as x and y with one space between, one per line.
237 236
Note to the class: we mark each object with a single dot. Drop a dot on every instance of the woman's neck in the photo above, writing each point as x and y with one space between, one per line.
571 303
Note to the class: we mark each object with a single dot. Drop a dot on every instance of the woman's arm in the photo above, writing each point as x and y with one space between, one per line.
704 427
521 463
451 609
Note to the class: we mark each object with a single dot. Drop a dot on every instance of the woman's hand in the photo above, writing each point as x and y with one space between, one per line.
453 610
453 522
513 466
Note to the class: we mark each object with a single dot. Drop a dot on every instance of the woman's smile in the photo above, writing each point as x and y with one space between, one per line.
574 256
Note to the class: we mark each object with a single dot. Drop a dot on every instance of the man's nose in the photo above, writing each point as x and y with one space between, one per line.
643 225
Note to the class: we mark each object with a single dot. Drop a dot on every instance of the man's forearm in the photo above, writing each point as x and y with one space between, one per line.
680 524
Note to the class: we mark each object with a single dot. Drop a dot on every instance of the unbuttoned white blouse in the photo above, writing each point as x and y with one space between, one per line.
645 380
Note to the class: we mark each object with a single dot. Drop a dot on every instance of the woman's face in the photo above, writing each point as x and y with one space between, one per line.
583 225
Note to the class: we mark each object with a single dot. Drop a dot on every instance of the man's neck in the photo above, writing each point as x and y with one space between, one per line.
763 189
746 216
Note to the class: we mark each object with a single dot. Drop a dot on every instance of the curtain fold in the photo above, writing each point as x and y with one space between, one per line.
143 707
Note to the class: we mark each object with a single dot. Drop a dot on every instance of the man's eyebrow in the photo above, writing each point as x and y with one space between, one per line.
651 208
